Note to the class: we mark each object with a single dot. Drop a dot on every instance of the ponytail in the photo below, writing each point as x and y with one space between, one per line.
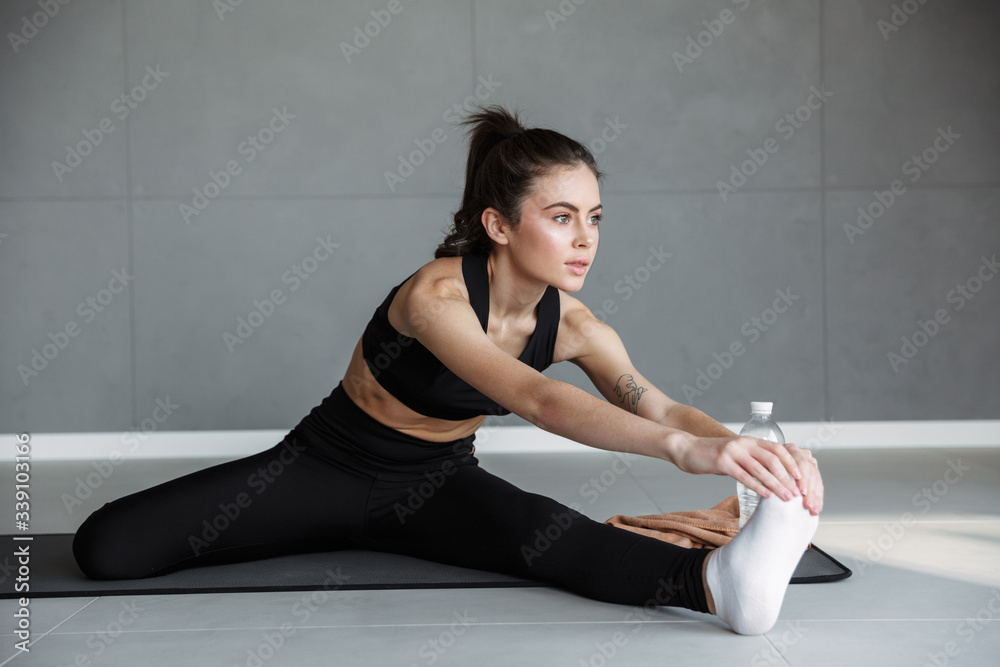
505 159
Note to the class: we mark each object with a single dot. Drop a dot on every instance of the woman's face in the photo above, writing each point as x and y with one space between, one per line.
556 239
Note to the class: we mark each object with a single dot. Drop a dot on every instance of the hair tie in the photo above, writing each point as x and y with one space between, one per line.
510 135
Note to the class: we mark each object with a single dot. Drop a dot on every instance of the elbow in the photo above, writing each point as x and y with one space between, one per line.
549 410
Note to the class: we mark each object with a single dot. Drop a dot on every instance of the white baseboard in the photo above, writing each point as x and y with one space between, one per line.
118 446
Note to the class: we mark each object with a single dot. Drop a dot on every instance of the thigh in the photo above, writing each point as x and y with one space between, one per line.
478 520
278 501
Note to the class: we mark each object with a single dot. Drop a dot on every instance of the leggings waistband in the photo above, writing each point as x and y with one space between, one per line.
339 428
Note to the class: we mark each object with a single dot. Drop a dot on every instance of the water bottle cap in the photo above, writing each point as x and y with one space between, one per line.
761 407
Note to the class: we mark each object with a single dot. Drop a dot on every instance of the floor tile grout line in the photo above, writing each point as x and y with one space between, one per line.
507 623
56 626
51 630
442 624
778 653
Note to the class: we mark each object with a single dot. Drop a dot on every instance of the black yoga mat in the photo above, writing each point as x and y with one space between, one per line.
52 572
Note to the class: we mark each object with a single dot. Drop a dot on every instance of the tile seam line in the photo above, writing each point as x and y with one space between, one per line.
781 656
53 629
443 624
512 623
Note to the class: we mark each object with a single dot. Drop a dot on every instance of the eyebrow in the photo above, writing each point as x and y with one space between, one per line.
571 207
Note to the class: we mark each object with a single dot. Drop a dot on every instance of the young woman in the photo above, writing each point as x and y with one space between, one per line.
386 461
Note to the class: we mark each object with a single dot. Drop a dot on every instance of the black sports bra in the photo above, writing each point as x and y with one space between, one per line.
408 371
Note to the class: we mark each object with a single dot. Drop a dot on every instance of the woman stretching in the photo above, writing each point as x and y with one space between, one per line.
386 461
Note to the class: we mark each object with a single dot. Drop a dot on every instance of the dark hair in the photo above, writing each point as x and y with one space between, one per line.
505 159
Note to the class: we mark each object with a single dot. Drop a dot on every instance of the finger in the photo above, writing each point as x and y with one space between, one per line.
789 455
776 466
754 485
746 478
770 481
813 492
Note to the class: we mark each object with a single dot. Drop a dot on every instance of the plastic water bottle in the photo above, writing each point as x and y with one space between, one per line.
762 427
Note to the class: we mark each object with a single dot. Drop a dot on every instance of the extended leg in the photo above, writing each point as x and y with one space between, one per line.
475 519
278 501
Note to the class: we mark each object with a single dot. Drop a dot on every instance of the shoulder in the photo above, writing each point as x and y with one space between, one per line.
424 294
439 277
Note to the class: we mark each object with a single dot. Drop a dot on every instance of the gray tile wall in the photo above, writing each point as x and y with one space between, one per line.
114 301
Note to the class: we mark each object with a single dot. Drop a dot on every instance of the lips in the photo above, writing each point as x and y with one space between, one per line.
579 265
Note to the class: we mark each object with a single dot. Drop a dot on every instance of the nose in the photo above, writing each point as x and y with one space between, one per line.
586 235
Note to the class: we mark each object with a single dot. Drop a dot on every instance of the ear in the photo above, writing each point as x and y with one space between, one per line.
497 228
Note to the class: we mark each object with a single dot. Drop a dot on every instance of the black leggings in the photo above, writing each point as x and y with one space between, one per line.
342 480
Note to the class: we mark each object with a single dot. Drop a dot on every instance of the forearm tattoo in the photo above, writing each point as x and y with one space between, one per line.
629 393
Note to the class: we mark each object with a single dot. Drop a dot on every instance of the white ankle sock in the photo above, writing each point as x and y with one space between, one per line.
749 575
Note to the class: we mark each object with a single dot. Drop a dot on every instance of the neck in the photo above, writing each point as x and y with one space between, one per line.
512 293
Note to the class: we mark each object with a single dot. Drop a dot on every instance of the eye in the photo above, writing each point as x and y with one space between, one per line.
596 219
562 218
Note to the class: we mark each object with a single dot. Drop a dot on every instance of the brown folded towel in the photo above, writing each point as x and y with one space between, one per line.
696 529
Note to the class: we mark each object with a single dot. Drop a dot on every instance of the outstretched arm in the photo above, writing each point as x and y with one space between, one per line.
706 446
436 312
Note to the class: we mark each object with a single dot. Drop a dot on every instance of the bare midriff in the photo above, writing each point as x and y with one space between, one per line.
374 399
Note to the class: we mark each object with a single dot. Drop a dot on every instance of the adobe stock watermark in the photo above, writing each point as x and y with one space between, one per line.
926 329
121 107
99 642
273 640
88 310
565 9
753 329
915 167
713 29
295 277
774 654
924 501
968 629
223 7
544 538
392 350
630 283
434 648
786 126
900 14
380 20
105 468
612 130
824 435
434 480
250 148
633 281
597 486
30 24
425 147
258 481
665 594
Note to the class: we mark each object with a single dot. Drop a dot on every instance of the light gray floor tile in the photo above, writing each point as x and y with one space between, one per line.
361 608
457 642
45 615
888 643
914 584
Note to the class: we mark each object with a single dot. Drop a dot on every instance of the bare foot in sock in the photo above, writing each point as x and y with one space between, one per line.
747 578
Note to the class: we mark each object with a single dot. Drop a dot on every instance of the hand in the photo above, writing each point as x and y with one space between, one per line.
810 484
761 465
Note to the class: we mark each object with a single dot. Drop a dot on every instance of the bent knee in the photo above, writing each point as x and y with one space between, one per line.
103 547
